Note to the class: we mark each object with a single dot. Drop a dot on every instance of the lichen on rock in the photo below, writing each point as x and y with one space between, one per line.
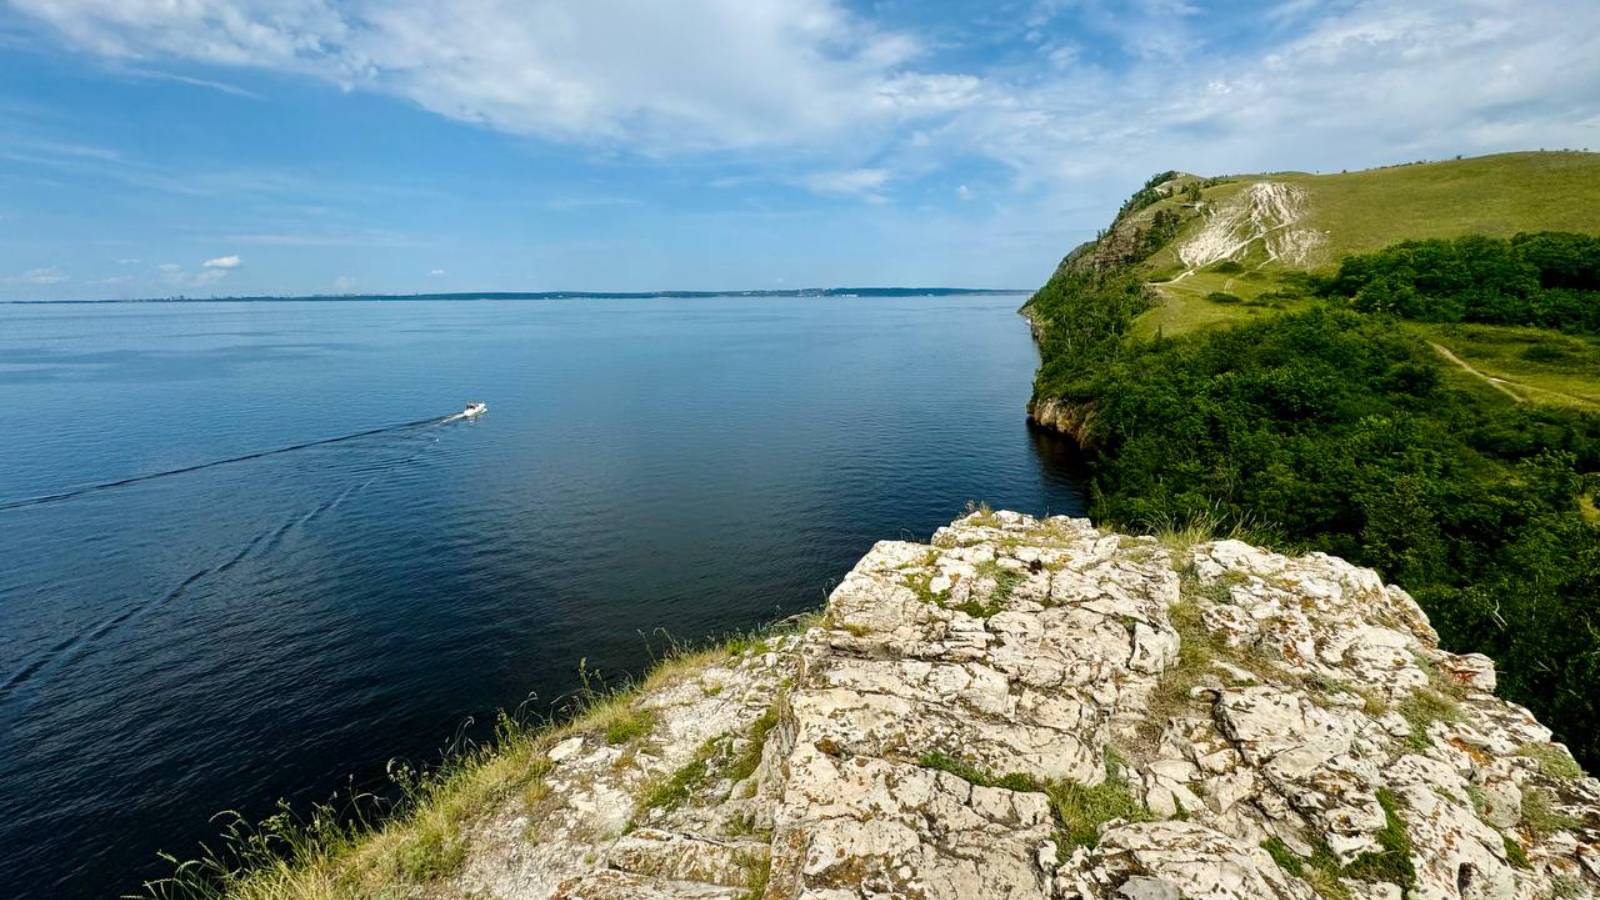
1039 709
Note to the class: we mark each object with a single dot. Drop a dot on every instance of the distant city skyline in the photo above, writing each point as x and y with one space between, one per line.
310 147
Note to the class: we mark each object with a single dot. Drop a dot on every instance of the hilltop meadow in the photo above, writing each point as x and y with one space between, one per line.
1399 366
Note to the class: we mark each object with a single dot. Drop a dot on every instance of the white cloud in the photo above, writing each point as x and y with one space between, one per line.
177 276
963 192
717 74
1363 83
435 273
809 95
344 284
867 184
42 276
688 74
128 261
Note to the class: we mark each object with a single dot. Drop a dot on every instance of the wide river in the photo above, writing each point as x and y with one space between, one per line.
265 625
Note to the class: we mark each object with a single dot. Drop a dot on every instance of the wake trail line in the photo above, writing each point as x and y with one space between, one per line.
69 649
138 479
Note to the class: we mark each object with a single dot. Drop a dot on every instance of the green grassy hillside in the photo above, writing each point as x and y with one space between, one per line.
1398 366
1359 212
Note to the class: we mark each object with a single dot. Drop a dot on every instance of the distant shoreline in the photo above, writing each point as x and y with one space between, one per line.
567 295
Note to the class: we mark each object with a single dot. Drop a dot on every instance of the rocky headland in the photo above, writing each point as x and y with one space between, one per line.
1039 709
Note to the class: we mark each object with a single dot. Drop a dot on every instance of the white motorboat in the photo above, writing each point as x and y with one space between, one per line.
475 409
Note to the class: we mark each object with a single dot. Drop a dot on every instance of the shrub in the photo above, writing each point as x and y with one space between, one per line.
1543 353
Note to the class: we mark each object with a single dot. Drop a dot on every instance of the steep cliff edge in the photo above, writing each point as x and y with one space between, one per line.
1036 708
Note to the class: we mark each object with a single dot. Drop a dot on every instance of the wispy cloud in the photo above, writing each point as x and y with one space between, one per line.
805 75
42 276
742 72
210 272
867 184
208 83
1049 111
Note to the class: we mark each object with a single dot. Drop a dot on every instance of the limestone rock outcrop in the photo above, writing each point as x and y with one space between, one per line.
1038 709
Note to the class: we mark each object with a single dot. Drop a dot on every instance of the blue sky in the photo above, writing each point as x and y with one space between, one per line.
209 147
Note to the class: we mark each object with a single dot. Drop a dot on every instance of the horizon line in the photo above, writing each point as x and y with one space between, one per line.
553 295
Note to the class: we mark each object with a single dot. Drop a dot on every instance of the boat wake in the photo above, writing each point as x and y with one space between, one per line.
140 479
69 649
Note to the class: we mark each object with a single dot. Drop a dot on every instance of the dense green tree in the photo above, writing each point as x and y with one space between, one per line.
1333 430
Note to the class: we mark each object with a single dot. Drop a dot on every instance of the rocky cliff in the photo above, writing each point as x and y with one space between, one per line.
1038 709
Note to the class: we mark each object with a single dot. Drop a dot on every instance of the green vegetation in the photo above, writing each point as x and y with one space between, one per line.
1284 857
1514 852
368 848
628 725
745 764
1360 212
1495 196
1532 364
1422 709
1079 809
679 787
1546 279
1553 761
1540 816
1005 582
945 762
1328 417
757 874
1390 863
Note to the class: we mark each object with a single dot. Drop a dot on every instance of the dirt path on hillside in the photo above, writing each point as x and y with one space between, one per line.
1505 385
1499 384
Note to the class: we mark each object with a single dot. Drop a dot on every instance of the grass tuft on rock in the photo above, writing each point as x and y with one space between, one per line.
678 788
1553 760
628 725
1422 709
1540 816
1080 809
1392 862
745 764
1323 872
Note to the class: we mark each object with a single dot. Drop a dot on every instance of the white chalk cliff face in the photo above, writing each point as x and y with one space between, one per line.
1038 709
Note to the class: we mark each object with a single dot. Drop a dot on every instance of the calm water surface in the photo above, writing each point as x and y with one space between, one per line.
274 626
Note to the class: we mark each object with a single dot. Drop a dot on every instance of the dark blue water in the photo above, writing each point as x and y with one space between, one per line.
273 626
